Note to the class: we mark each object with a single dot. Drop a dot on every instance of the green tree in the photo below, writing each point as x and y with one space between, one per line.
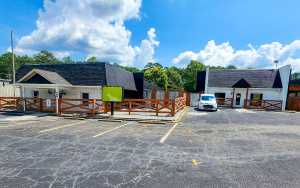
45 57
295 75
175 82
214 67
131 69
190 75
251 67
231 67
67 60
157 76
6 64
92 59
151 65
179 70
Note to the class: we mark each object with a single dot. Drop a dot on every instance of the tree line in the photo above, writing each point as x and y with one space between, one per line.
168 78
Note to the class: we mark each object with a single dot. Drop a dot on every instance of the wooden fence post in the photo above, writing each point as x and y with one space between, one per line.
60 107
40 104
0 103
105 107
157 106
188 99
232 100
129 100
93 111
180 93
167 96
153 95
173 108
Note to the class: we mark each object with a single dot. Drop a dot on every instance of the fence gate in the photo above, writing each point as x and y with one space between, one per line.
194 99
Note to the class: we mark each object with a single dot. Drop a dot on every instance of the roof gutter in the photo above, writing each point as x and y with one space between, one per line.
206 80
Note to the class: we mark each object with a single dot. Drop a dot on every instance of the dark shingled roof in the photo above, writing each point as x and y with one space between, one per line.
86 74
242 83
256 78
295 82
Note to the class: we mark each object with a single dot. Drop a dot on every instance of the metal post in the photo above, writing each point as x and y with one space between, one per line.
112 108
24 100
56 97
13 62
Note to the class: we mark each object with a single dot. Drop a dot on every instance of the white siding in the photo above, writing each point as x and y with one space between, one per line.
285 72
268 94
7 90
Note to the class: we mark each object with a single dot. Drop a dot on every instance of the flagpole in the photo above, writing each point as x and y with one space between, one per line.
13 62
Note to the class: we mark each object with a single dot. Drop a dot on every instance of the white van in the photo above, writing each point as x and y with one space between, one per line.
207 102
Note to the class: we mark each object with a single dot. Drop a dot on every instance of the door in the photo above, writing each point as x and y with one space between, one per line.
238 101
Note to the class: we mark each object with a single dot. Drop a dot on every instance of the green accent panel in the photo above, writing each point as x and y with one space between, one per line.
112 94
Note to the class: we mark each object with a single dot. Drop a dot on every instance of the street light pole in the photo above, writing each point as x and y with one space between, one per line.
13 62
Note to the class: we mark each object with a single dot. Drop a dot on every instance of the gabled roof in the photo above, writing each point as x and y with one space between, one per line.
242 83
84 74
52 77
256 78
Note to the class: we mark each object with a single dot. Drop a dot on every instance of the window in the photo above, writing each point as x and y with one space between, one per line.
256 96
220 95
207 98
85 96
35 95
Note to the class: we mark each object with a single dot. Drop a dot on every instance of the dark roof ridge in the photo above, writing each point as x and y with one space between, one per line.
117 67
80 63
243 69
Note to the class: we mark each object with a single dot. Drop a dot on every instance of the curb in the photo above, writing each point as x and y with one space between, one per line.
110 120
153 122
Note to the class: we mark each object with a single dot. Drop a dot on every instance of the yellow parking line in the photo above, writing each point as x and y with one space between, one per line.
68 125
168 133
112 129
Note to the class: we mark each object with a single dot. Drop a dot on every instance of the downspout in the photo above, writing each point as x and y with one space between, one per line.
287 96
206 80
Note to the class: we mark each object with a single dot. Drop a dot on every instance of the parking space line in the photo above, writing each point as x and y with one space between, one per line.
168 133
68 125
112 129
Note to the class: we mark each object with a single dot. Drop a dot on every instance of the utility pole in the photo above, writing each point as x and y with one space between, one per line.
13 62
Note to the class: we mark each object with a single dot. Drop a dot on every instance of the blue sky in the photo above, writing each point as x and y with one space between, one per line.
171 32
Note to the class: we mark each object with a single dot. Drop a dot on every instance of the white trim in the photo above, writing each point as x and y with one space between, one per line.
54 85
250 88
206 80
30 76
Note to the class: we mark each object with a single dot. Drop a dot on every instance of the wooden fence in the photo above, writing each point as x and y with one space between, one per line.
94 106
294 103
263 104
225 102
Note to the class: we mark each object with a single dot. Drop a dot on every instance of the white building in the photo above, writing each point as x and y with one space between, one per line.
263 85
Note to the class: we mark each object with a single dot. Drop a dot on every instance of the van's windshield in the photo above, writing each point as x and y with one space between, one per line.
208 98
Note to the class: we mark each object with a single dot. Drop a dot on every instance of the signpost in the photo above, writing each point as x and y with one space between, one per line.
112 94
48 102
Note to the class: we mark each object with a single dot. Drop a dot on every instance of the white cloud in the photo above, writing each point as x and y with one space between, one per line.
92 27
146 50
262 57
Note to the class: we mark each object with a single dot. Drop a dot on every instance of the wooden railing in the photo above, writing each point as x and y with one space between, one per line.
263 104
94 106
180 103
11 102
225 102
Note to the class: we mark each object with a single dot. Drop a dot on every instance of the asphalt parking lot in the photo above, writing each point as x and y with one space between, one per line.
228 148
